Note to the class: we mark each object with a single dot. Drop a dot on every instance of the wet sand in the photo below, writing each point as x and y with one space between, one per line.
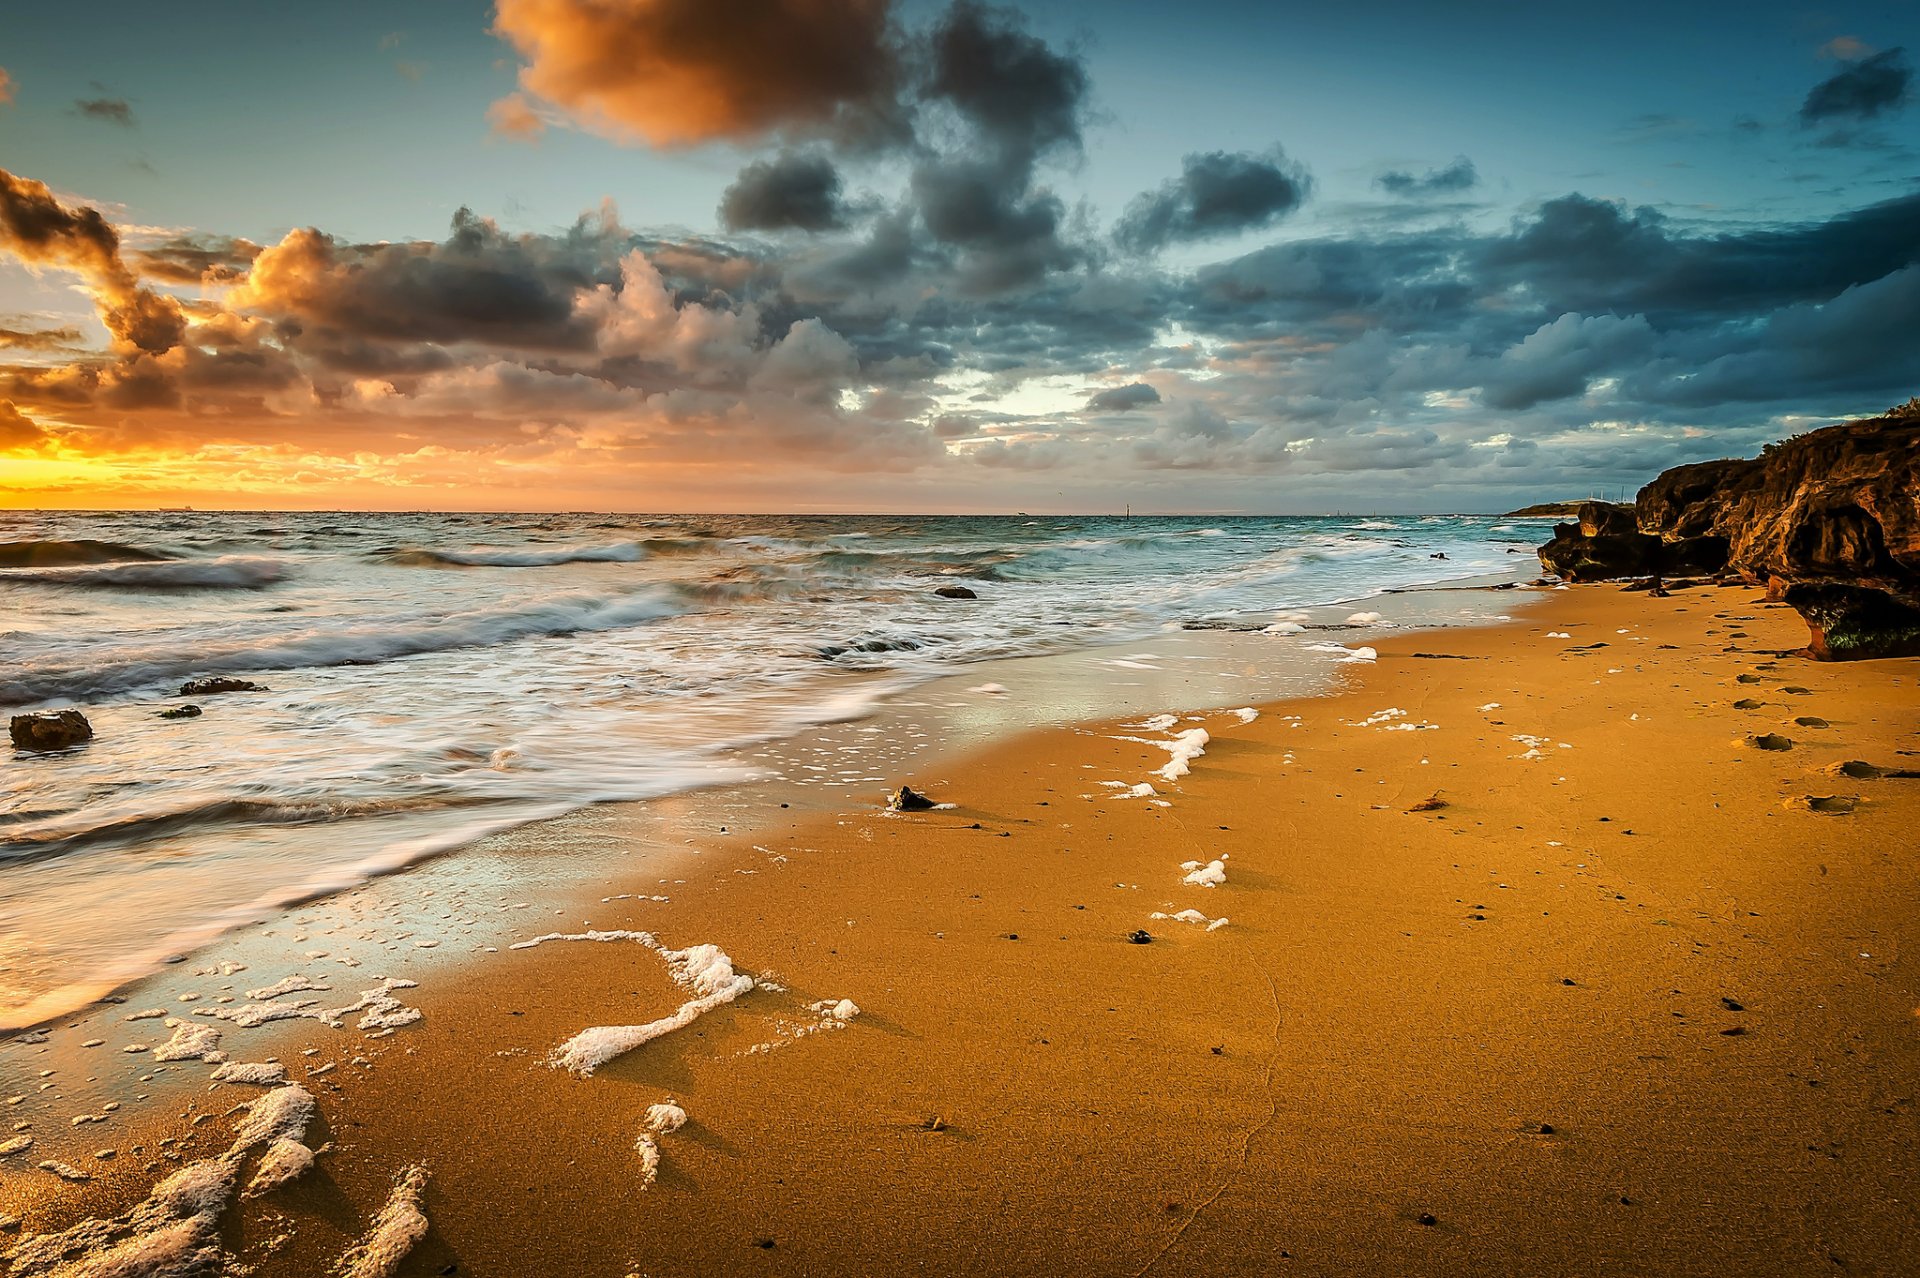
1630 1006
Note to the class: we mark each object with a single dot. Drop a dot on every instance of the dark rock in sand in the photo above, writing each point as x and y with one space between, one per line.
1141 937
955 592
1607 545
1826 520
218 684
181 712
45 731
1603 546
1847 623
908 799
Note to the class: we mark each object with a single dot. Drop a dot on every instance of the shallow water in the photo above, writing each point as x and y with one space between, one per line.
433 677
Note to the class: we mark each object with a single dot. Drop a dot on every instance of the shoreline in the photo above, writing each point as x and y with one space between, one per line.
878 703
1368 1073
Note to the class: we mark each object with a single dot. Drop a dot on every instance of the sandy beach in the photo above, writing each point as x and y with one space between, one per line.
1633 997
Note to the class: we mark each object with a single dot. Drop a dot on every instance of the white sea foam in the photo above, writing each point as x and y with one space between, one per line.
704 970
1346 653
625 552
1156 723
1185 748
285 1160
1365 619
660 1120
241 572
281 1114
290 985
398 1228
1245 714
262 1074
1283 628
190 1042
1212 874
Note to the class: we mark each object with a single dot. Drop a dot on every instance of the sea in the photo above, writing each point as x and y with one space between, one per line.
429 679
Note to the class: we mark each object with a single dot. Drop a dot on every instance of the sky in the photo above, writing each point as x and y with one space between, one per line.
898 255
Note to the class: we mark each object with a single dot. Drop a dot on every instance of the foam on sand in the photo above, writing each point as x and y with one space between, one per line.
398 1228
704 970
660 1120
190 1042
1192 916
281 1114
291 985
266 1074
1365 619
1212 874
1185 748
1346 654
1245 714
285 1160
174 1233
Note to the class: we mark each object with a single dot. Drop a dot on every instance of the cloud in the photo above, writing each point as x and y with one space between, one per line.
1861 90
480 286
41 231
195 259
1456 177
791 191
18 432
1557 360
683 72
39 339
1120 399
109 110
1846 48
6 87
1216 194
515 117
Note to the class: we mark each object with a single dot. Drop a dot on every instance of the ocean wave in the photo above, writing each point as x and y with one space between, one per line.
625 552
60 554
228 572
341 646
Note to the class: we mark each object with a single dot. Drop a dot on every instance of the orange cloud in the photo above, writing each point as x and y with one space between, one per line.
6 87
681 72
514 117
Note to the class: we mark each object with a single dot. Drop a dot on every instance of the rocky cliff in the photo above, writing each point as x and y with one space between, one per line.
1829 521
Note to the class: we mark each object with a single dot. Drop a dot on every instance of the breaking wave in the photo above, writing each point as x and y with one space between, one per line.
229 572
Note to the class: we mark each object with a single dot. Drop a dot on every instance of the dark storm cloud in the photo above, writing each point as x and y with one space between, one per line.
1119 399
1023 97
1216 194
791 191
480 285
1455 178
1861 90
1584 254
1016 101
108 110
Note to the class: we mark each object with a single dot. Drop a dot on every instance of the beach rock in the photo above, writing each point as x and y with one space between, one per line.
44 731
1140 936
908 799
181 712
1827 521
217 684
1603 546
955 592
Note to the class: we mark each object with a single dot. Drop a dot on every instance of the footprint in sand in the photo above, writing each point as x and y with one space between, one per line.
1828 804
1748 703
1861 770
1797 690
1770 741
1747 678
1811 721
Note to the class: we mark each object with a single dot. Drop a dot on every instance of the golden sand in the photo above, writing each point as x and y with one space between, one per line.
1577 980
